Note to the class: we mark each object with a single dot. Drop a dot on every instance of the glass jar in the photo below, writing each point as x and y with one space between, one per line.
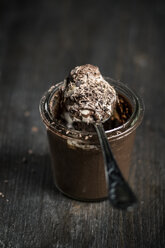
77 161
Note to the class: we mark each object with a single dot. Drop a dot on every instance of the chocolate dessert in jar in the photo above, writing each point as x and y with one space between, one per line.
68 110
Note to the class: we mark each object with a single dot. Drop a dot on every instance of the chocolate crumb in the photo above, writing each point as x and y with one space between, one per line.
27 113
24 160
34 129
2 195
30 151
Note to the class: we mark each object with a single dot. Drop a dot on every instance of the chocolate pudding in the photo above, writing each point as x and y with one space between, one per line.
68 110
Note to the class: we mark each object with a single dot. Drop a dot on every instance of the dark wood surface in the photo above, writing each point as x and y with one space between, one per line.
40 41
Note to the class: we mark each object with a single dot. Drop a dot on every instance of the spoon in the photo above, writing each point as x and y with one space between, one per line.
119 192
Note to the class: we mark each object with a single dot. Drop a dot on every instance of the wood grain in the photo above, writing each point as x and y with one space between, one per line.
40 41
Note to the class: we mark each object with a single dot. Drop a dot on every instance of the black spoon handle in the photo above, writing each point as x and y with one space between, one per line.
120 194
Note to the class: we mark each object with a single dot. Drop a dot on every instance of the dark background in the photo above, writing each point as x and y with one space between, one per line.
40 41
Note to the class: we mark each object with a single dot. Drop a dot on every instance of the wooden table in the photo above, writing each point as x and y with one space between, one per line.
40 41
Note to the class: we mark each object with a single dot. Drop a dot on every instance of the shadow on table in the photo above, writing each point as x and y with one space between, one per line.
30 174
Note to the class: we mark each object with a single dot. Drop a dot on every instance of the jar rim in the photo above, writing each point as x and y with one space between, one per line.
132 123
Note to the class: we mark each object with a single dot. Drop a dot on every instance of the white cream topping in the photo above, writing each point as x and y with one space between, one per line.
87 97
